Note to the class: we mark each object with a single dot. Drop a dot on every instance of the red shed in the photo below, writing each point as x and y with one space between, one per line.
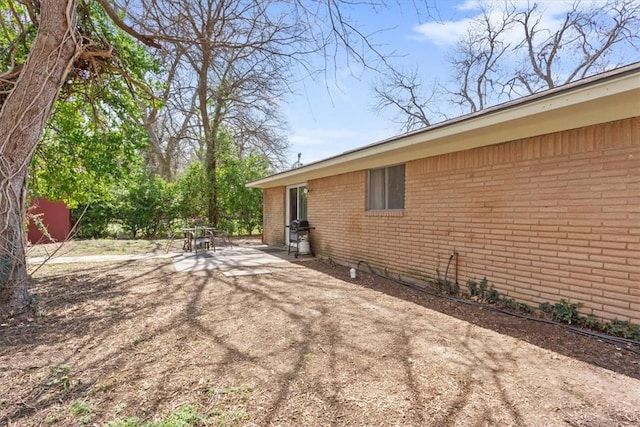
55 217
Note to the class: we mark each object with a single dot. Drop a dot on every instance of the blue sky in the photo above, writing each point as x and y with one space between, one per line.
332 115
329 116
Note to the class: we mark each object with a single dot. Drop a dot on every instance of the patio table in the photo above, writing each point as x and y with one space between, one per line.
199 236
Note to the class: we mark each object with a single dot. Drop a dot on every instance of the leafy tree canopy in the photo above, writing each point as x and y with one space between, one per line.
93 138
240 206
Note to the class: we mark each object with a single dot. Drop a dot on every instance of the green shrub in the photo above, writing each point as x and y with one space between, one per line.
562 311
147 207
483 287
93 220
526 308
191 192
446 286
473 288
491 295
509 302
624 329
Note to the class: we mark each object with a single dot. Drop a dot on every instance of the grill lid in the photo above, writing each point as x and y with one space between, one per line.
299 223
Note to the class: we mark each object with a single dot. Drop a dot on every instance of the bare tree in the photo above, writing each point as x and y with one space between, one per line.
64 52
404 93
236 53
168 120
509 52
298 30
477 61
583 44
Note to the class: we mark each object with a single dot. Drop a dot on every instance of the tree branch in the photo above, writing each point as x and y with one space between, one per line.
147 40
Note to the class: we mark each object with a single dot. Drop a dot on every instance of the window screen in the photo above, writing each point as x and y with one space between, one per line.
386 188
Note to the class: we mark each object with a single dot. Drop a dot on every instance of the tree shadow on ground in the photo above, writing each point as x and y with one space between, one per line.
550 337
139 339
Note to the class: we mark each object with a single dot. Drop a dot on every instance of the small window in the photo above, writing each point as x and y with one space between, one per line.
385 189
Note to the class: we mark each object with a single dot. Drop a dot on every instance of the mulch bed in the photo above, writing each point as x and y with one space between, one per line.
556 338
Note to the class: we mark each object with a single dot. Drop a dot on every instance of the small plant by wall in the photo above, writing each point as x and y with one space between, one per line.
561 312
446 286
477 290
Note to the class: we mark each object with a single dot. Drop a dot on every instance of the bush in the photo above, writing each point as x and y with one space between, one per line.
191 192
94 221
562 311
147 207
491 295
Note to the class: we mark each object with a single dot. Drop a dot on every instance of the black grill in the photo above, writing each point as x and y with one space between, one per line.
299 229
299 224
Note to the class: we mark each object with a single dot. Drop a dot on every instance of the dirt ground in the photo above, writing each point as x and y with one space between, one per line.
302 346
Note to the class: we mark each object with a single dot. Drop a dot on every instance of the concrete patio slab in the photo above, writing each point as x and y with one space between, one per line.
237 258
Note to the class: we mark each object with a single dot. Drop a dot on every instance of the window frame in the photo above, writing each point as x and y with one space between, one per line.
387 175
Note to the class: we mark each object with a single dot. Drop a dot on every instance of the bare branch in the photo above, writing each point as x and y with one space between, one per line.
147 40
404 93
508 52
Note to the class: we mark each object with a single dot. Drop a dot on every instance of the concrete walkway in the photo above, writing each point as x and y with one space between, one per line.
97 258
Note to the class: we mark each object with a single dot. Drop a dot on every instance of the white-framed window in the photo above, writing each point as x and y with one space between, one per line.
385 188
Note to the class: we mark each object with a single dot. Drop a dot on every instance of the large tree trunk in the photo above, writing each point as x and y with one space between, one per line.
209 137
22 119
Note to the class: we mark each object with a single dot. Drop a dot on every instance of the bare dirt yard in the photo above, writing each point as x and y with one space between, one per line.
132 343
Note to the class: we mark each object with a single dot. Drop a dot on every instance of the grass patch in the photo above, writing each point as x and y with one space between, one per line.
244 389
59 378
98 247
53 419
183 416
79 407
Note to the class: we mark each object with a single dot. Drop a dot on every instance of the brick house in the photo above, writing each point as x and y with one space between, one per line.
540 195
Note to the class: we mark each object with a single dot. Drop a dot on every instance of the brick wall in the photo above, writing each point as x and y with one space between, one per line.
274 206
544 218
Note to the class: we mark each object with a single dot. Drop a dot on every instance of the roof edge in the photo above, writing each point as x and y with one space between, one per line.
501 109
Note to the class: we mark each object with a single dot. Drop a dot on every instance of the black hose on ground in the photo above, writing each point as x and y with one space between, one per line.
624 343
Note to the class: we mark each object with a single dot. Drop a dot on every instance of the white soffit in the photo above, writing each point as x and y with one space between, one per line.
583 105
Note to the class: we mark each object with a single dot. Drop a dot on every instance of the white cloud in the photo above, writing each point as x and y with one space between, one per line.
449 32
469 5
444 33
